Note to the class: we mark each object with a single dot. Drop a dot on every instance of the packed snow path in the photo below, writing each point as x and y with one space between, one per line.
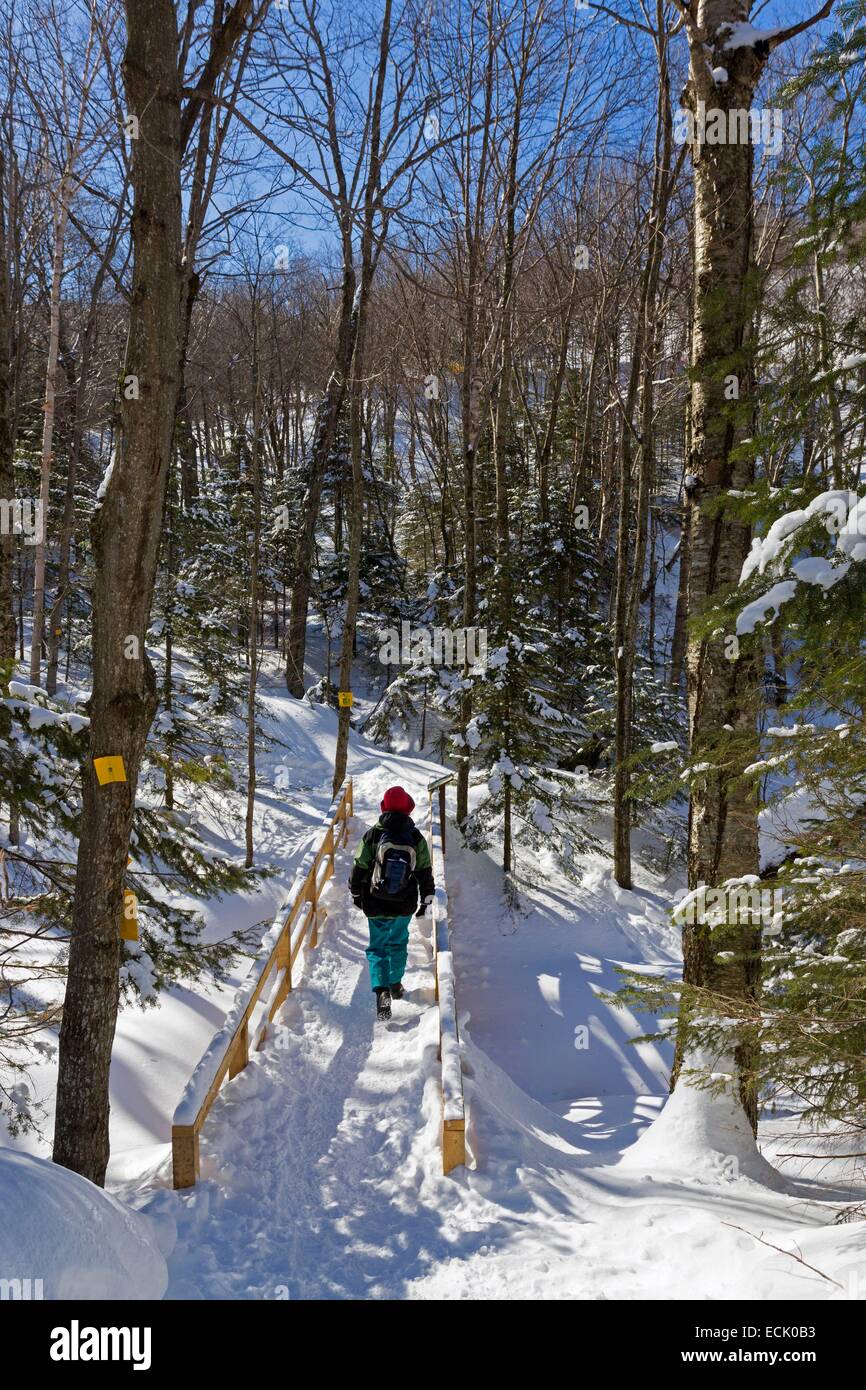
311 1146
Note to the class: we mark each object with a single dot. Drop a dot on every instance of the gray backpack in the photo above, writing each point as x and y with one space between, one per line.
392 867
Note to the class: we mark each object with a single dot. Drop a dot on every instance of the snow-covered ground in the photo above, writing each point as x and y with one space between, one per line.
63 1238
321 1169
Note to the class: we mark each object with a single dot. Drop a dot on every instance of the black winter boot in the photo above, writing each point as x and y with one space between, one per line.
383 1004
397 990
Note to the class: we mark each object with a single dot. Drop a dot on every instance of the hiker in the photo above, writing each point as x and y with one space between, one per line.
392 867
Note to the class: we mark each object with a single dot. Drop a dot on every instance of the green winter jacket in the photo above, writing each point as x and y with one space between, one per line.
400 827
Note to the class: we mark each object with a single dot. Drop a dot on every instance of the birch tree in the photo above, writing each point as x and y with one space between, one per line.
727 59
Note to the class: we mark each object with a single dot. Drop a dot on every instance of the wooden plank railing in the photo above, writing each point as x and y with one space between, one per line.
453 1108
299 916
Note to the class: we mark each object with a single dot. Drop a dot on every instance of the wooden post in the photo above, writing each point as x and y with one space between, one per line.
313 891
442 817
184 1155
240 1053
348 809
284 962
453 1144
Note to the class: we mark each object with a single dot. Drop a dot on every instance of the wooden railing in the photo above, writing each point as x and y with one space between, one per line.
299 916
453 1109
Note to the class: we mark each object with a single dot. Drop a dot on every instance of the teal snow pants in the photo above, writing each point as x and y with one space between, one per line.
386 953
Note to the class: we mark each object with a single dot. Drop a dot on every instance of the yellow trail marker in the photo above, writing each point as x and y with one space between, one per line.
129 916
110 769
344 699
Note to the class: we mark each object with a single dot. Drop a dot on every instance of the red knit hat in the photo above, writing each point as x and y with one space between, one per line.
396 799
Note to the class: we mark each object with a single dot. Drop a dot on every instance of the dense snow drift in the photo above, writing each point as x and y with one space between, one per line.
79 1241
704 1133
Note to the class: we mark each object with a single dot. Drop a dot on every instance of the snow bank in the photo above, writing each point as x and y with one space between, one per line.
704 1134
80 1242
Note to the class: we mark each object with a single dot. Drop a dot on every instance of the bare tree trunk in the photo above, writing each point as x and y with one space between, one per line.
254 592
8 622
79 395
355 526
470 408
469 599
126 533
629 583
7 438
723 834
581 455
370 247
188 459
126 539
652 571
678 638
75 391
502 422
545 453
608 462
60 221
323 443
837 434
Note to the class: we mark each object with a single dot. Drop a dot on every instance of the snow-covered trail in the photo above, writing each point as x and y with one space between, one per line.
311 1154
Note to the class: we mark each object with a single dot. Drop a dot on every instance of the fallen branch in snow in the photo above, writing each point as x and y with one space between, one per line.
855 1155
798 1257
845 1215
